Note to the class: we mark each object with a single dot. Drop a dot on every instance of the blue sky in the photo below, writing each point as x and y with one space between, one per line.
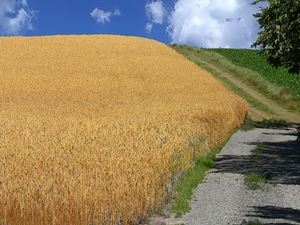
204 23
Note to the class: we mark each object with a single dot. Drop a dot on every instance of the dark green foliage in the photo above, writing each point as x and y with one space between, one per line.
279 38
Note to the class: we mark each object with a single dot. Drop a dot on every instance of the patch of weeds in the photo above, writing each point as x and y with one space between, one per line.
260 146
255 180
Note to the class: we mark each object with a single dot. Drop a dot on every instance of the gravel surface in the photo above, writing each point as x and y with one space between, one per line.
224 199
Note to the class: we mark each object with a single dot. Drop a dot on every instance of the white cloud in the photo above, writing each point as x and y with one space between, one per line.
101 16
148 27
15 17
156 13
214 23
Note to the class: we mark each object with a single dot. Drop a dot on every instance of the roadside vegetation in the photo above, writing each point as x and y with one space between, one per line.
191 180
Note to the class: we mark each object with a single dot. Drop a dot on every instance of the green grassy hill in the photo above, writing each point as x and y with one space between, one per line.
252 69
251 59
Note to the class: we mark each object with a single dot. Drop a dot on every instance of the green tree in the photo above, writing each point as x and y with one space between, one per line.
279 38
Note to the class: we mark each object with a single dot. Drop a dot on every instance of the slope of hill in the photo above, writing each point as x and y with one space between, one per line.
276 91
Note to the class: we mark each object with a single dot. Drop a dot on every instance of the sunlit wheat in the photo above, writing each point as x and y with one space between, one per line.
92 127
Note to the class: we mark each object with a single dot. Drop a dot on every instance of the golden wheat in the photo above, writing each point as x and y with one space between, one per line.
92 127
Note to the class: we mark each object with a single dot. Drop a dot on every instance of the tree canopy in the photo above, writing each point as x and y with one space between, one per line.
279 38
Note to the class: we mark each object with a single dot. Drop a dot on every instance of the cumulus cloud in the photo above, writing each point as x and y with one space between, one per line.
148 27
156 13
101 16
214 23
15 17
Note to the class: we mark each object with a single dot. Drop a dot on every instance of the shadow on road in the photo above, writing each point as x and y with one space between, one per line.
279 161
272 212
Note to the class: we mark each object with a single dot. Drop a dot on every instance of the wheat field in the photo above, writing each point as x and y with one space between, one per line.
92 127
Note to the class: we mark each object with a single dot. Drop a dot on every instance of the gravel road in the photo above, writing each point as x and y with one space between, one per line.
224 199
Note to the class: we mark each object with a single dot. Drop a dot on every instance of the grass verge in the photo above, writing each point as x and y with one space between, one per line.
191 180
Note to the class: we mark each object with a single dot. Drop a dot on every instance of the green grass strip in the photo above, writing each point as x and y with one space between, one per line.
191 180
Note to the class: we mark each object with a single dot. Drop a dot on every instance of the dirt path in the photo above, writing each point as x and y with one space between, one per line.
224 199
281 112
